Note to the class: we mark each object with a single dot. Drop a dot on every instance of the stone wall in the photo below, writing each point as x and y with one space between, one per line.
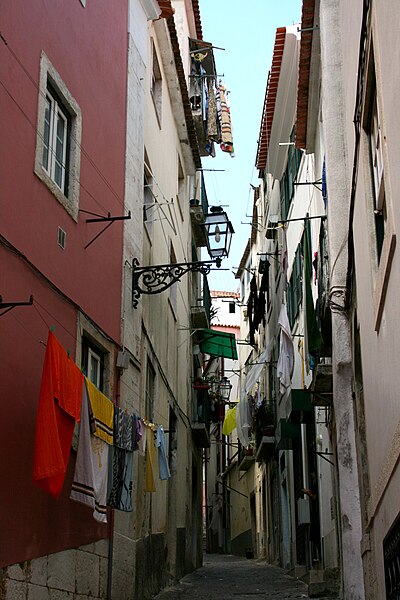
76 574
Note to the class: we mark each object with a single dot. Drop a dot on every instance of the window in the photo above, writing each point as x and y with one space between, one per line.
289 177
232 307
55 141
93 363
295 289
375 148
150 391
182 188
58 139
391 553
148 201
378 197
156 84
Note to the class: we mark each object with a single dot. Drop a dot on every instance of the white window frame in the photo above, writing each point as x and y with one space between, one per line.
94 359
156 83
52 86
377 178
376 154
86 329
51 157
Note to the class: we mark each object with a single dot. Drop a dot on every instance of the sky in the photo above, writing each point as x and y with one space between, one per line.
246 30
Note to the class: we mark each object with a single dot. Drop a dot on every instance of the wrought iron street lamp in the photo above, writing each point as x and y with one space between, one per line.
155 279
218 230
225 388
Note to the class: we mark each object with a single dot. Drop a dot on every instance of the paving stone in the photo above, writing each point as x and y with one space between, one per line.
61 571
16 590
60 595
16 572
87 574
37 592
235 578
37 571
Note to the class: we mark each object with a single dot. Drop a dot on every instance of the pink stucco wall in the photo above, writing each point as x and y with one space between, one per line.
88 48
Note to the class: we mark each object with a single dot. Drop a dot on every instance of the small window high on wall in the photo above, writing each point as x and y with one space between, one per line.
58 138
93 363
156 83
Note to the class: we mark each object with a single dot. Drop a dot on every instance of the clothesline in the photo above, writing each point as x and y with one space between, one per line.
108 436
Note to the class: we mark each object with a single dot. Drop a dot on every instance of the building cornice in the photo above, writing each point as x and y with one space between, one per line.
307 27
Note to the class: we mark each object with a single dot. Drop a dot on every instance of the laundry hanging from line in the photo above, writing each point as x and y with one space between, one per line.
108 436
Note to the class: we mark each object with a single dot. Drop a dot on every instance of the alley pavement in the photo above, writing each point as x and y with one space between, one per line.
226 577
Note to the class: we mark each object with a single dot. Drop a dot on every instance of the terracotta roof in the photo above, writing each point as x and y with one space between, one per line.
166 9
224 326
217 294
197 19
270 99
307 23
184 92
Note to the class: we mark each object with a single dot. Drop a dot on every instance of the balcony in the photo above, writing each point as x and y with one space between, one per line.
246 458
265 432
201 312
322 384
201 419
266 448
202 72
298 403
285 434
198 210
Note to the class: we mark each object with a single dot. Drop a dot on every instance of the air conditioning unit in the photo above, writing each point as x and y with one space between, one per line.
123 359
303 511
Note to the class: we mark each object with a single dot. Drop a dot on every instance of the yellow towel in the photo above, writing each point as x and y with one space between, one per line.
229 421
150 485
102 424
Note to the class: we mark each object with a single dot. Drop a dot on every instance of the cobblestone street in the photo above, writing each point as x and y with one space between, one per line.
230 577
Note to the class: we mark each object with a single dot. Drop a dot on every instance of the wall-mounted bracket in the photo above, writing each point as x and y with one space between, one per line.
155 279
10 305
101 219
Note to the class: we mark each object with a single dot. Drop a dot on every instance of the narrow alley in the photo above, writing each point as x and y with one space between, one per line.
223 577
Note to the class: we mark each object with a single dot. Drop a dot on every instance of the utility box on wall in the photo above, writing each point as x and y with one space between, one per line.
303 511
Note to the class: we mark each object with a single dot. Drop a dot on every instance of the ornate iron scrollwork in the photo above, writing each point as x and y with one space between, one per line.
158 278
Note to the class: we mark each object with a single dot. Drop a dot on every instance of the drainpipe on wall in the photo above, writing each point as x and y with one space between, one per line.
338 170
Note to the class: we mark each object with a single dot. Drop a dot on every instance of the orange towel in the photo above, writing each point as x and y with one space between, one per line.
59 407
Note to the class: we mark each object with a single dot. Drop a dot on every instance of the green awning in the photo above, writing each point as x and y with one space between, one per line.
217 343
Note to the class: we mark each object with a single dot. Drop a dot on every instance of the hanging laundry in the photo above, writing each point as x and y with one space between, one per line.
213 128
243 421
150 485
286 351
261 298
226 128
120 477
103 413
251 309
312 334
195 87
259 399
59 408
284 258
91 469
141 437
161 444
124 429
219 110
324 186
230 421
